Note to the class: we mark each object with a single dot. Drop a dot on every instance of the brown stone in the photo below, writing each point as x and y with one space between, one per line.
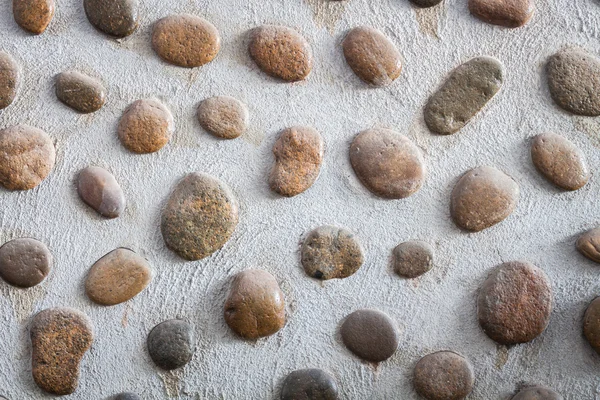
444 375
118 18
309 384
27 156
426 3
9 79
80 92
508 13
33 15
412 259
591 324
59 337
588 244
537 393
298 156
24 262
223 116
186 40
255 306
514 303
146 126
281 52
99 189
370 334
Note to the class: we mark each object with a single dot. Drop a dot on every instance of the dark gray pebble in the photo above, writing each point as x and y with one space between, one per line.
370 334
117 18
309 384
412 259
171 344
24 262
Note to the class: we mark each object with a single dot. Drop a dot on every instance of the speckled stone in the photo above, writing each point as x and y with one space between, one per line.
281 52
171 344
425 3
537 393
372 56
370 334
200 216
588 244
117 277
412 259
514 303
27 156
591 324
24 262
118 18
80 92
9 79
508 13
146 126
223 116
127 396
33 15
60 337
309 384
186 40
444 375
387 163
466 91
573 79
329 252
298 157
99 189
483 197
255 306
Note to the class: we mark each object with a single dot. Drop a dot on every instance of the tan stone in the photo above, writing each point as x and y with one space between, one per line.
223 116
146 126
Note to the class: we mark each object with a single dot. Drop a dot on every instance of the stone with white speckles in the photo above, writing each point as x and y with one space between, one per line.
99 189
444 375
223 116
118 18
24 262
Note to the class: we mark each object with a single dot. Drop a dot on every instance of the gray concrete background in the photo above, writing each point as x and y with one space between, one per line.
435 312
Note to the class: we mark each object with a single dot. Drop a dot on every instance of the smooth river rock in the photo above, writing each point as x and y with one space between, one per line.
508 13
33 15
387 163
444 375
118 18
537 393
591 324
24 262
560 161
60 337
425 3
80 92
514 303
309 384
223 116
99 189
171 344
370 334
466 91
298 157
255 306
9 79
127 396
412 259
146 126
588 244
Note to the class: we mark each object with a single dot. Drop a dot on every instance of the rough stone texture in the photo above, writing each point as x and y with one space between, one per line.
127 396
117 18
464 93
537 393
80 92
298 156
24 262
99 189
444 375
309 384
370 334
412 259
426 3
9 79
514 303
588 244
255 306
591 324
171 344
508 13
146 126
223 116
33 15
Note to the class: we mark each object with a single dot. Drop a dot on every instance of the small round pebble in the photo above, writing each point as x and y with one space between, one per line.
118 18
146 126
171 344
412 259
99 189
127 396
370 334
309 384
80 92
444 375
9 79
426 3
24 262
223 116
537 393
508 13
588 244
591 324
33 15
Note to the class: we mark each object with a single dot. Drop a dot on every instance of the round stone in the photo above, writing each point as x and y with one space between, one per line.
255 306
80 92
146 126
117 18
27 157
309 384
387 163
591 324
33 15
186 40
588 244
99 189
223 116
200 216
514 303
426 3
508 13
412 259
298 157
281 52
537 393
370 334
127 396
483 197
372 56
24 262
171 344
9 79
444 375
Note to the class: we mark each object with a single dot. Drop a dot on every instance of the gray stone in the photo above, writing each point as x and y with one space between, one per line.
537 393
412 259
99 189
370 334
24 262
444 375
426 3
9 79
309 384
171 344
223 116
117 18
127 396
80 92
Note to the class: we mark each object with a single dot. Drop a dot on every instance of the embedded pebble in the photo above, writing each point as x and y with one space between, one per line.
412 259
223 116
372 56
99 189
387 163
298 156
80 92
33 15
309 384
171 344
443 375
466 91
591 324
514 303
588 244
117 277
329 252
573 79
281 52
117 18
127 396
537 393
426 3
9 79
483 197
186 40
146 126
26 158
560 161
255 306
370 334
60 337
199 217
24 262
508 13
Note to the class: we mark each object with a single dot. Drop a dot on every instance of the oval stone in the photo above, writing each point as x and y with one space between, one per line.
117 277
466 91
80 92
309 384
199 217
186 40
426 3
370 334
127 396
514 303
412 259
99 189
281 52
443 375
9 79
27 157
591 324
573 78
537 393
560 161
33 15
483 197
118 18
171 344
60 337
298 156
508 13
24 262
146 126
372 56
223 116
588 244
255 306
